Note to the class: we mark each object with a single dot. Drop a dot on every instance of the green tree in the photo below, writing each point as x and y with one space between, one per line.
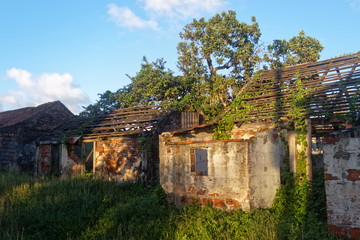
299 49
107 102
153 84
219 56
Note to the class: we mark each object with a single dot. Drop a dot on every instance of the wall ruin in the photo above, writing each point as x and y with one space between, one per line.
342 184
243 172
125 159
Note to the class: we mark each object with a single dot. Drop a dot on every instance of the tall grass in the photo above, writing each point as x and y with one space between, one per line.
77 209
84 208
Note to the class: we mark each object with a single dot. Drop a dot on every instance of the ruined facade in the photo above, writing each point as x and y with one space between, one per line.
61 152
342 184
119 146
67 158
21 128
242 172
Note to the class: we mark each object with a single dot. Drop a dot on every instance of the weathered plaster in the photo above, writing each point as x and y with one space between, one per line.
70 163
342 184
243 172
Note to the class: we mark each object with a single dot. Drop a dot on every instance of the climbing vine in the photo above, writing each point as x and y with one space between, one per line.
239 109
291 205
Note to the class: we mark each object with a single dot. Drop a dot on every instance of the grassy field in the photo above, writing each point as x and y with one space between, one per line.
84 208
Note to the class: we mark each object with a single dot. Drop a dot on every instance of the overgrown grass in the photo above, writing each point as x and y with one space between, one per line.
83 208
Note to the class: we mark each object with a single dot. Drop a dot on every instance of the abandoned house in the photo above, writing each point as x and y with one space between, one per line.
59 152
244 171
20 129
119 146
241 172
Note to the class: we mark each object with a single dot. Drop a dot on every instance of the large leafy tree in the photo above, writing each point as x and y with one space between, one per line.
219 56
153 84
107 102
299 49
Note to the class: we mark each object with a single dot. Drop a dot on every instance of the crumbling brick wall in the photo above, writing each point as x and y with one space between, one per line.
241 173
71 163
125 159
342 184
8 148
18 140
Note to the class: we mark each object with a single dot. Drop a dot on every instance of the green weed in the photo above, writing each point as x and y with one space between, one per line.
86 208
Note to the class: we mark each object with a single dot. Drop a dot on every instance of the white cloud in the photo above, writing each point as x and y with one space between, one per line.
45 88
22 77
182 8
173 10
355 4
124 17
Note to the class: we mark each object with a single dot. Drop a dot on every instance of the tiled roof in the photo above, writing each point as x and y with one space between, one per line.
13 117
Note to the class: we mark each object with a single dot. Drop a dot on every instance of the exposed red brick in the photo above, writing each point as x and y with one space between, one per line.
331 140
236 207
208 201
353 175
252 132
232 202
219 203
328 176
275 136
229 201
195 199
168 150
45 166
201 192
191 190
177 149
184 199
354 233
336 230
214 195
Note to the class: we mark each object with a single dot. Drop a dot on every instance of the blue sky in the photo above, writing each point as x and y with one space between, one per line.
72 50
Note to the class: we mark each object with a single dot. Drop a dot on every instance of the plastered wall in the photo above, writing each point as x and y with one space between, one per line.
342 184
243 172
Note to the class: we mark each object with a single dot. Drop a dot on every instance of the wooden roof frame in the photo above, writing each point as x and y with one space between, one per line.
333 82
127 121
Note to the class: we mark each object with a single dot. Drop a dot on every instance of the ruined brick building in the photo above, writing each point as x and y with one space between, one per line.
242 172
151 145
19 130
121 145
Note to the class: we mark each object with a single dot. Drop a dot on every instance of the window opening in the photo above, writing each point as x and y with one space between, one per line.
199 161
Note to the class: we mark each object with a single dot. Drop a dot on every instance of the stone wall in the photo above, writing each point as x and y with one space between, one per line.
342 184
8 148
125 159
243 172
43 160
71 163
59 159
18 141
